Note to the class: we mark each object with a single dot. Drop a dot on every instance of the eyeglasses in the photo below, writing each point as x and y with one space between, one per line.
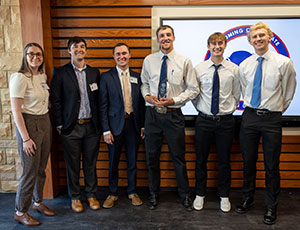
31 54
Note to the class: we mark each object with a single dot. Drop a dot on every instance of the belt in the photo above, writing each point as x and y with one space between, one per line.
164 110
83 121
215 117
127 115
260 112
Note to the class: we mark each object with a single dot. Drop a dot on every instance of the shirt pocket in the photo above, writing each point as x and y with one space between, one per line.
226 82
271 80
175 78
206 83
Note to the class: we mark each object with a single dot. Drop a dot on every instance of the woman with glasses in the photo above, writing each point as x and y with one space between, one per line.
29 94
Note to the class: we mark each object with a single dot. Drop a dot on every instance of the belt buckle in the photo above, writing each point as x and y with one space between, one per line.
161 110
216 118
261 112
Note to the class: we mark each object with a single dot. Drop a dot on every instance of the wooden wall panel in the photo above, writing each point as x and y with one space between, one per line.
100 53
108 33
99 22
102 27
169 2
99 12
106 42
289 166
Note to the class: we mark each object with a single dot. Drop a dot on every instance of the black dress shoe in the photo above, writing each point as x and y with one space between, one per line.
187 203
270 216
244 206
152 201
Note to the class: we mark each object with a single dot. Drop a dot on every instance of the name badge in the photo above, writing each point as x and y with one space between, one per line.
133 80
45 86
93 87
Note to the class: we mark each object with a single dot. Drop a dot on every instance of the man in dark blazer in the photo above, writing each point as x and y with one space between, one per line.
122 118
75 106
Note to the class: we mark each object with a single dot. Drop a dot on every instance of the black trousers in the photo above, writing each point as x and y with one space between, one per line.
82 141
130 137
223 130
170 126
268 127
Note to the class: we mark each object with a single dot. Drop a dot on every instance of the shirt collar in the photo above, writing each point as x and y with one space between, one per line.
170 55
120 72
75 68
266 55
210 62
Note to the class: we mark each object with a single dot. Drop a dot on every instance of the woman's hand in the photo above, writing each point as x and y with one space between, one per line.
29 147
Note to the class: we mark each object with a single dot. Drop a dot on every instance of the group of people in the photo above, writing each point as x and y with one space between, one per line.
125 107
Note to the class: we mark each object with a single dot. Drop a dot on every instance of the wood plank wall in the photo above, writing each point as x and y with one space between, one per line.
102 27
105 23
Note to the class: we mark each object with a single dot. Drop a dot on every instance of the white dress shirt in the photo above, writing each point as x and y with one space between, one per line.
278 81
229 91
182 85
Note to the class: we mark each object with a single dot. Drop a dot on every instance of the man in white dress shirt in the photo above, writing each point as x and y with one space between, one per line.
268 82
218 98
168 82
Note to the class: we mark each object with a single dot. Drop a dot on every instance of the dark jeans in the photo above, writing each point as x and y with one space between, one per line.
129 136
170 125
269 128
223 130
82 141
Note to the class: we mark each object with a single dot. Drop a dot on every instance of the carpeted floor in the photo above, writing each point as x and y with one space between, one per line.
168 215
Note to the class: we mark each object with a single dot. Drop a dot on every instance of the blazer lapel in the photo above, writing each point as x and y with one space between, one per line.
117 82
134 88
88 80
72 75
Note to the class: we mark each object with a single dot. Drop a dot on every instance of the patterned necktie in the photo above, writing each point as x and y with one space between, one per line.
256 91
215 91
127 101
162 87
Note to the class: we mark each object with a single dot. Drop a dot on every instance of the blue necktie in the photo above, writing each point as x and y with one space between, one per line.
256 91
215 91
162 87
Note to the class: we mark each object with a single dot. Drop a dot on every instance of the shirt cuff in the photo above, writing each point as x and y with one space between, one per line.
106 132
176 101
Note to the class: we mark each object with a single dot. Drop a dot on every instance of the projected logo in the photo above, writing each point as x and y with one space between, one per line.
237 51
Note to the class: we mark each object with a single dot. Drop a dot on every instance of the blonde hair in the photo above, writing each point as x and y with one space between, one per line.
260 25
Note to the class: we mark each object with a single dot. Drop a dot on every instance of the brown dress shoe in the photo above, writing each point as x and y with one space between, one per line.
26 219
135 200
94 203
42 208
77 206
109 202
